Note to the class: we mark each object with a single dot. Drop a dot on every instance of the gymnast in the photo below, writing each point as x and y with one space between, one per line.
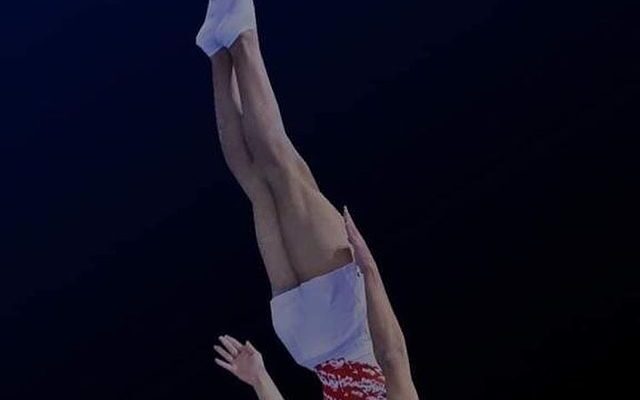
329 306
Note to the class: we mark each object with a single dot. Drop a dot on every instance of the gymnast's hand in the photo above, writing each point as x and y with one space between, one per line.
361 252
244 361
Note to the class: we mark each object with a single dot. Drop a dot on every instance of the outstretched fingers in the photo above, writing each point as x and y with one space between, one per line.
362 254
223 353
229 345
250 348
234 341
226 365
229 353
247 347
352 231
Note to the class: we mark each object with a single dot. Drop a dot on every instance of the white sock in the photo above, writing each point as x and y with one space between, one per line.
206 38
240 16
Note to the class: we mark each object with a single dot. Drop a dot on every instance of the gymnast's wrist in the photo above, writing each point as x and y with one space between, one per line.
262 379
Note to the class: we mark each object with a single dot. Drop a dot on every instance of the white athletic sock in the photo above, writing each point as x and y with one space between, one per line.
206 38
240 16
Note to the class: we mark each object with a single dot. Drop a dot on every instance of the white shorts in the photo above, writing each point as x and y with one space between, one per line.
325 318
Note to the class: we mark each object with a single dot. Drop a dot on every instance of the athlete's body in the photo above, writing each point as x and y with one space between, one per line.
303 239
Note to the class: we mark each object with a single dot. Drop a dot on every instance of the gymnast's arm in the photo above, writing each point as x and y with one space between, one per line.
245 362
266 389
388 340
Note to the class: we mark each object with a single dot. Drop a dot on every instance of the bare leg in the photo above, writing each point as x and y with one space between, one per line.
313 230
240 161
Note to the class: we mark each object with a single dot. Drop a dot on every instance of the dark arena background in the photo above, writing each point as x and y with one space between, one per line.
483 147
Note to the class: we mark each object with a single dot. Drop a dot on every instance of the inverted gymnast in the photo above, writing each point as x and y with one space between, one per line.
329 306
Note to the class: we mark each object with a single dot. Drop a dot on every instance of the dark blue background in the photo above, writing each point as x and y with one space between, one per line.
484 147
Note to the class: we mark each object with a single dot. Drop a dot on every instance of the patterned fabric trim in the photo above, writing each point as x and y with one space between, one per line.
349 380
